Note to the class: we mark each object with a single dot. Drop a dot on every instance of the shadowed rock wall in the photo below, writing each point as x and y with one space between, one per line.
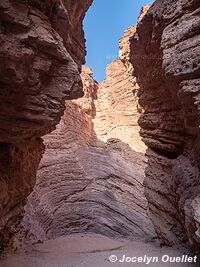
91 176
41 51
165 54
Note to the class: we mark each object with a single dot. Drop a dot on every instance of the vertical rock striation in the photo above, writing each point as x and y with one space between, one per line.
91 176
41 51
165 55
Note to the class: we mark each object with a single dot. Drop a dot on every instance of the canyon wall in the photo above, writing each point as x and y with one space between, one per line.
165 54
41 52
91 176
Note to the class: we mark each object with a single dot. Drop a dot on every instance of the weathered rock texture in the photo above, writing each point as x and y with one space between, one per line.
18 165
38 43
165 54
41 51
91 176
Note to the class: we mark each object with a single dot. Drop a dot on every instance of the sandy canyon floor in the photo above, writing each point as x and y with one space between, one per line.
93 251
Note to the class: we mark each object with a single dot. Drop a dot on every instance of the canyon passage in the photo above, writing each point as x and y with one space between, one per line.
99 173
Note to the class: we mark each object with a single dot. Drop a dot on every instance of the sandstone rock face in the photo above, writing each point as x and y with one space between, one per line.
143 11
124 55
18 165
41 51
115 116
165 55
91 176
38 44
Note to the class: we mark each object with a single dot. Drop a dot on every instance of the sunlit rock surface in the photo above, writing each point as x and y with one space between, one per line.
91 176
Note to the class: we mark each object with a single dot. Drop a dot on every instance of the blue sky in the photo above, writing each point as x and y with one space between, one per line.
104 23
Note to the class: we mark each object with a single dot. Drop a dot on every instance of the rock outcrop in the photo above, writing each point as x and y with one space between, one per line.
38 44
165 55
41 52
91 176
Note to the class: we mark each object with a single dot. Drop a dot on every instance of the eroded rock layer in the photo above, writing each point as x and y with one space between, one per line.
38 42
91 176
165 54
41 52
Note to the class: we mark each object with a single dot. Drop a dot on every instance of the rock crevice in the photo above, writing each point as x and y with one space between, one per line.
91 176
96 174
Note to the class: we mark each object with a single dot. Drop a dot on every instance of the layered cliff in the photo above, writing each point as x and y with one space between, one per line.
39 42
41 51
165 55
91 176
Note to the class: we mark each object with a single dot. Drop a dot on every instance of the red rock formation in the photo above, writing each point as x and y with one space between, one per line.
91 176
143 11
124 55
41 50
35 48
165 54
18 165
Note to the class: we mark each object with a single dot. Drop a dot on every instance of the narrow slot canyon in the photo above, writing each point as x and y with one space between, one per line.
99 173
